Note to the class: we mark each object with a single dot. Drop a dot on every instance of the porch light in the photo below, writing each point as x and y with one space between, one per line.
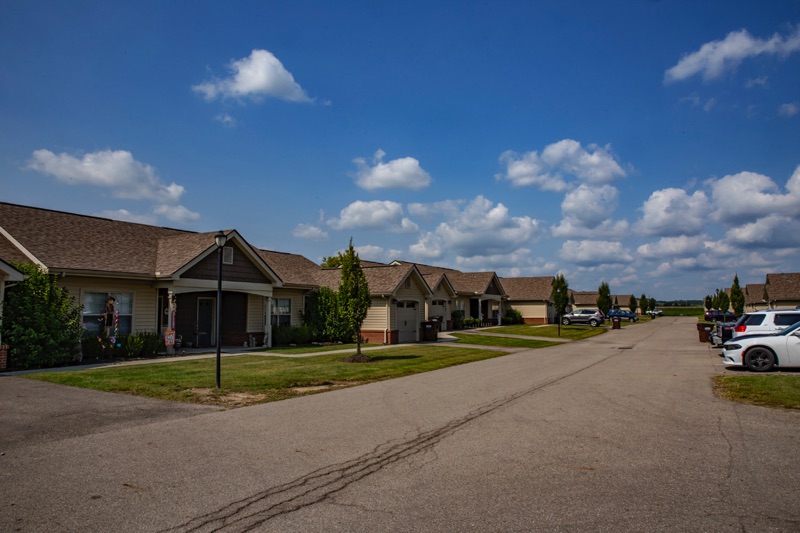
220 239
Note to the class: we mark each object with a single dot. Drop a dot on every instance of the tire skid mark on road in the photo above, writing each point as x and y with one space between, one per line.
253 511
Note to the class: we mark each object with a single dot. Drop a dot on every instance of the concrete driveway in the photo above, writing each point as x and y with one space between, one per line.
620 432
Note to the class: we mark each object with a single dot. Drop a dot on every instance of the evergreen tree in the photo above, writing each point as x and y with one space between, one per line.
354 298
560 298
643 304
633 304
737 296
709 302
604 298
651 304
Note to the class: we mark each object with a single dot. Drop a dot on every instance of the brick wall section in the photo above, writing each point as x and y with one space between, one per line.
3 357
535 320
376 336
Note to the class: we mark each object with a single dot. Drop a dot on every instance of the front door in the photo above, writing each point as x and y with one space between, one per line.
206 335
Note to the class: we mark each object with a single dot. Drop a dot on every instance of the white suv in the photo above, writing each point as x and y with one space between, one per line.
765 322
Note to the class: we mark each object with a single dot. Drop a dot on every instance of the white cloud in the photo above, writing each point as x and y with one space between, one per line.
672 247
122 175
789 110
176 213
772 231
593 253
482 229
671 212
126 216
309 231
573 228
756 82
375 215
717 57
260 74
587 207
593 164
226 120
747 196
445 208
403 173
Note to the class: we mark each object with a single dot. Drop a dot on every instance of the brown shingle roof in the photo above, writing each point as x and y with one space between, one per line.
293 269
462 282
783 286
585 297
382 279
529 289
754 293
79 242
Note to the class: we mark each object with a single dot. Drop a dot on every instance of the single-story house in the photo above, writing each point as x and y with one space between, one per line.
531 297
583 299
754 297
622 301
783 290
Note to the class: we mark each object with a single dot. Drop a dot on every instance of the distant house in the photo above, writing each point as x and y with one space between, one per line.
531 297
622 301
754 297
783 289
583 299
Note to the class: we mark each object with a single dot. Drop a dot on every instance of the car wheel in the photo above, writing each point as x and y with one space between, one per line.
593 323
565 321
760 360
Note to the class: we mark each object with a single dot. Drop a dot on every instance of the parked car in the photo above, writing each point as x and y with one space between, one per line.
593 317
761 353
722 331
767 321
623 315
655 312
713 315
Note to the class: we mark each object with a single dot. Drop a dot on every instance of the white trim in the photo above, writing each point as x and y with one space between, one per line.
21 248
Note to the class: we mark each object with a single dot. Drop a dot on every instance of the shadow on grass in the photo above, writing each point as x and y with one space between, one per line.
393 357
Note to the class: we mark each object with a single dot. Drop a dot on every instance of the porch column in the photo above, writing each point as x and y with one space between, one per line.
268 322
172 308
500 313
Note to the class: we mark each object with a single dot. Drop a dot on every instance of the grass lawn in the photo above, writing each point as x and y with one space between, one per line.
251 379
510 342
769 390
567 332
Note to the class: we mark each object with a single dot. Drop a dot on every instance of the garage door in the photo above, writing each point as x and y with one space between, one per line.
437 309
407 320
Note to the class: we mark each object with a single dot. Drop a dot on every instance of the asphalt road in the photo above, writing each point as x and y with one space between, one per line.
620 432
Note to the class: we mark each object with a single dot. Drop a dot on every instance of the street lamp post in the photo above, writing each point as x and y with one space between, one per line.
220 239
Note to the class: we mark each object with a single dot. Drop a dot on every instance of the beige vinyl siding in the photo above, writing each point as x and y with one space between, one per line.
530 309
145 297
255 313
376 316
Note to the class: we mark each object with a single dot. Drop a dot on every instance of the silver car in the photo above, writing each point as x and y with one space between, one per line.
593 317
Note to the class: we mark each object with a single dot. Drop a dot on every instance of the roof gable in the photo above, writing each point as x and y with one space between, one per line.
783 286
528 288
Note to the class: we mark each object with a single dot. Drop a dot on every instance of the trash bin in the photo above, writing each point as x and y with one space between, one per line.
705 334
616 322
430 330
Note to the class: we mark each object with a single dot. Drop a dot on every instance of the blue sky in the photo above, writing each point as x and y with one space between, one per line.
651 145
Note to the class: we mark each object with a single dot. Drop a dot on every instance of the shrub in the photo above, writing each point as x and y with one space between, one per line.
513 316
286 335
458 319
41 322
139 344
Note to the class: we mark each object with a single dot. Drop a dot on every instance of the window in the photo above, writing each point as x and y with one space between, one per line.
281 312
227 255
787 320
93 312
438 302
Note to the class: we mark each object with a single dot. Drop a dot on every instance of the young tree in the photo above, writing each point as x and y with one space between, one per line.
723 300
560 298
709 302
40 321
643 303
651 304
334 261
737 296
354 298
633 304
604 298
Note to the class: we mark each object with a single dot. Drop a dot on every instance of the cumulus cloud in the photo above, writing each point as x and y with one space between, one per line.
747 196
593 253
226 120
681 246
445 208
587 210
127 216
261 74
672 212
403 173
119 173
309 231
375 215
772 231
593 164
715 58
481 229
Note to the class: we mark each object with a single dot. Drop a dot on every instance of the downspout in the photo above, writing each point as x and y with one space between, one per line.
268 325
386 329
